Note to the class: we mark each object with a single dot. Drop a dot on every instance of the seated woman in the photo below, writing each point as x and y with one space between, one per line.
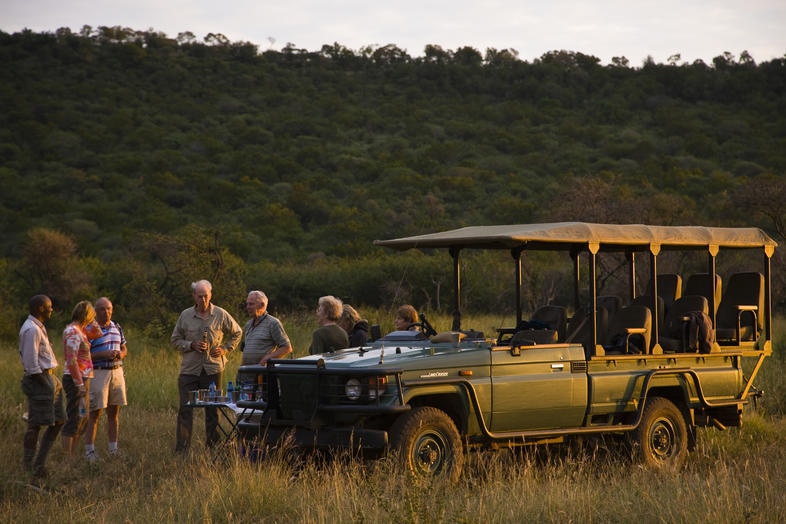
406 317
356 327
329 337
406 323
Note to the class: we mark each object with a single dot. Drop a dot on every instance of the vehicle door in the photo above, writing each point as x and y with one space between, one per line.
538 387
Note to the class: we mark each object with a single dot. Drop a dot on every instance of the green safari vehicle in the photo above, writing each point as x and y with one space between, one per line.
652 366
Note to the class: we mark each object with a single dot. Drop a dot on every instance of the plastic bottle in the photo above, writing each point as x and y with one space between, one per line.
258 389
247 391
82 408
230 389
211 392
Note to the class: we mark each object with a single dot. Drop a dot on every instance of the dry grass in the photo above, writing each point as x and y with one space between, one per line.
733 476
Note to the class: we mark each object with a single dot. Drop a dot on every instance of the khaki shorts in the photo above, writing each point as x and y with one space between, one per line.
108 388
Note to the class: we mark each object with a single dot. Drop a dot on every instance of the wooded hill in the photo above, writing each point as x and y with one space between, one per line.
132 163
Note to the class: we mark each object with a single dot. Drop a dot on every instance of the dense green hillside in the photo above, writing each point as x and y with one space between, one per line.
153 161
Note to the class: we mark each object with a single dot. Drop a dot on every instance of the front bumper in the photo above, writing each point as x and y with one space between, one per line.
351 438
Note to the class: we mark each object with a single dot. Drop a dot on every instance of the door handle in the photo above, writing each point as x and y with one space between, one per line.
557 366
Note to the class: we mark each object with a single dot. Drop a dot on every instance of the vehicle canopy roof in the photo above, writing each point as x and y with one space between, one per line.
567 235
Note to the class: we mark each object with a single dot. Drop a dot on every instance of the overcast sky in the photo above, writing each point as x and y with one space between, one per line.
604 28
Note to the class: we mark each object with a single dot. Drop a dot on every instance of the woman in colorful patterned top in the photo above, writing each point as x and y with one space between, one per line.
78 371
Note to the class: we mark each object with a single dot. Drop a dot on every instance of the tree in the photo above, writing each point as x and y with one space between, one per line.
192 254
467 56
765 195
50 265
620 61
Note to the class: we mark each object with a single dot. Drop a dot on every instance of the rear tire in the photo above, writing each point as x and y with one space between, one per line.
662 437
428 444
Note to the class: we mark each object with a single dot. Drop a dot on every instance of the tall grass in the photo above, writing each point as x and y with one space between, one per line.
734 476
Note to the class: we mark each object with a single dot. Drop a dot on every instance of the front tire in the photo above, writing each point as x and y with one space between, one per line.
662 437
428 443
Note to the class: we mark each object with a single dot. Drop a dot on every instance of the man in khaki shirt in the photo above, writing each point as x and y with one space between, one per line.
204 334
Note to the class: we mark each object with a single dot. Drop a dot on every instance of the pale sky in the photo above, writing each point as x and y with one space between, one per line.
604 28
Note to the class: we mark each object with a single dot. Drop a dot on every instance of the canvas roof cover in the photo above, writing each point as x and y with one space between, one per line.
564 235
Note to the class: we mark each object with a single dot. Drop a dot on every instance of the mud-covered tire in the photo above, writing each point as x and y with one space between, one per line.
428 444
661 440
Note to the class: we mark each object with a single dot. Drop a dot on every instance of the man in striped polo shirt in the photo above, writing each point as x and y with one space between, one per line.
108 389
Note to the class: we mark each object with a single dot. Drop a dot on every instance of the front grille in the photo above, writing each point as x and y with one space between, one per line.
297 395
304 391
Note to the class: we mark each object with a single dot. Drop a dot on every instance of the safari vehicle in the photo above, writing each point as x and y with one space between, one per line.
632 371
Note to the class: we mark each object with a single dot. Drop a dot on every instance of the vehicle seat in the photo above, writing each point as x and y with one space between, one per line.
700 284
580 328
531 337
740 314
630 330
673 337
554 318
612 303
646 301
669 288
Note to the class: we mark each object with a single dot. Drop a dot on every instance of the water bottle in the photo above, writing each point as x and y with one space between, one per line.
230 389
211 392
82 408
247 391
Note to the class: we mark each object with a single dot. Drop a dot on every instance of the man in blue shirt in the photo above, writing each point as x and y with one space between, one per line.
109 386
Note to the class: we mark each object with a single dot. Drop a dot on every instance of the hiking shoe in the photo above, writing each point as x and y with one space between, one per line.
92 456
115 453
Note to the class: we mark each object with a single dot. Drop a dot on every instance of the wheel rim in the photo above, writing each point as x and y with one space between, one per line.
662 439
429 453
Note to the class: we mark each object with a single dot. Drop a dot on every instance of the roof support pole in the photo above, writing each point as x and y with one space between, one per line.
576 279
654 345
713 251
454 253
594 247
631 256
516 254
768 252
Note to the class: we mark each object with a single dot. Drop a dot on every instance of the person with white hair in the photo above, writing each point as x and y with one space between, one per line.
204 334
329 336
263 335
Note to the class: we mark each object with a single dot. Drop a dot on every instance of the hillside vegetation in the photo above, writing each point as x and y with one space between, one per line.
132 163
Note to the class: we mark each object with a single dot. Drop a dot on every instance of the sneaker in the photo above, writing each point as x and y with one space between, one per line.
92 456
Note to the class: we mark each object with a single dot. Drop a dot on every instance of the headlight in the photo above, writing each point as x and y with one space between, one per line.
352 389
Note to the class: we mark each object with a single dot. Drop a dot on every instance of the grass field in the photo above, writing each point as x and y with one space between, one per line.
734 476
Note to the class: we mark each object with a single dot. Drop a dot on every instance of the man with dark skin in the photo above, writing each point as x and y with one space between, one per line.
44 391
